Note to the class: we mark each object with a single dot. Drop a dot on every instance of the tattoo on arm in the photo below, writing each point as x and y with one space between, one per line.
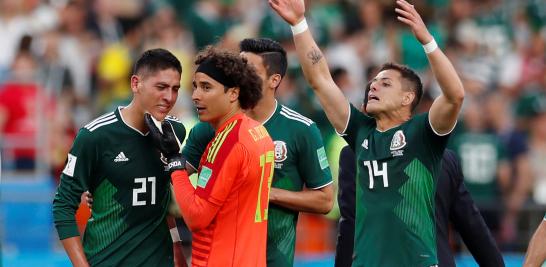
314 55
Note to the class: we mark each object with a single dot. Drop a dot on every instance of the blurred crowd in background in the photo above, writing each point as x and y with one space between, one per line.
64 62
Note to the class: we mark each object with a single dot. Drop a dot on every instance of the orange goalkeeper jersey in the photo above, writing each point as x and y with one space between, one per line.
228 211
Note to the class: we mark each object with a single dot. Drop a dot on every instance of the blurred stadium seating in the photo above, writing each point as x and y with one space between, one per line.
64 62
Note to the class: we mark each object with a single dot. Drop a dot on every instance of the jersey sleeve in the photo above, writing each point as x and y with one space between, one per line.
216 177
356 120
76 177
313 164
436 142
200 135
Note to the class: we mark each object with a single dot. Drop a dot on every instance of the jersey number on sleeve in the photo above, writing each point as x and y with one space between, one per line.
375 171
262 203
143 189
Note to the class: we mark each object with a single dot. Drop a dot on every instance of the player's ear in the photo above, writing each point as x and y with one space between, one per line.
275 80
135 83
407 98
233 94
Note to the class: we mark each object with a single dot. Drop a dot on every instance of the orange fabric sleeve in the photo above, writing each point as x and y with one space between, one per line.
197 212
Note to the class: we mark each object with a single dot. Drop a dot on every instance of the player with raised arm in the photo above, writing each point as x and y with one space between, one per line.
228 211
114 159
398 155
300 159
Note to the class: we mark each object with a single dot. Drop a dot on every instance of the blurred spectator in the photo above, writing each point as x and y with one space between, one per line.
19 18
537 150
78 48
483 161
501 122
343 80
81 53
24 110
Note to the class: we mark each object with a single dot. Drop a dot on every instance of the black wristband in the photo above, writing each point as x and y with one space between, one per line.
176 162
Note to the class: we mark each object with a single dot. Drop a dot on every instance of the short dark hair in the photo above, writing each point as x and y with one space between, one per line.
156 59
237 68
411 77
272 53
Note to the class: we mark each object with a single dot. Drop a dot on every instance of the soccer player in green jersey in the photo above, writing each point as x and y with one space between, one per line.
300 159
536 253
398 155
114 159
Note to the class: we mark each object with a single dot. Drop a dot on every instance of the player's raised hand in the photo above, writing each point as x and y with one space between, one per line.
410 16
292 11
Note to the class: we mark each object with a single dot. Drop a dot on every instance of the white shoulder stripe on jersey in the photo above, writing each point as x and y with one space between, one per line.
295 114
295 118
105 115
99 120
101 117
102 124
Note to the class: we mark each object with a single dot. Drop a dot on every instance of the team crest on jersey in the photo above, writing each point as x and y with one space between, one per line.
398 140
397 143
280 151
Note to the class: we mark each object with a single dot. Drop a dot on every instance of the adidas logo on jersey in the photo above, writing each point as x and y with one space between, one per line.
365 144
121 157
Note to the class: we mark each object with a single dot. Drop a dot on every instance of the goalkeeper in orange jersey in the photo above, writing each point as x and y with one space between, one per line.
227 211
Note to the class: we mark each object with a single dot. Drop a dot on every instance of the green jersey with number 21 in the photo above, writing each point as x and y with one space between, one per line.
123 170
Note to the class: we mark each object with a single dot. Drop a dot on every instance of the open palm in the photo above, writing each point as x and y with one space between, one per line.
292 11
408 15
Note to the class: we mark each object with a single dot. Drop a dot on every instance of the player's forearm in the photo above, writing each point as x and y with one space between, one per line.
197 212
536 254
313 201
316 72
314 65
445 109
448 79
178 254
74 249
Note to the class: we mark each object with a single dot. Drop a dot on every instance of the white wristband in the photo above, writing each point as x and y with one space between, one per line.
431 46
174 235
300 27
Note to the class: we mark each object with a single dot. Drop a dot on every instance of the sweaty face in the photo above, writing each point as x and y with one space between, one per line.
212 102
257 62
157 92
385 93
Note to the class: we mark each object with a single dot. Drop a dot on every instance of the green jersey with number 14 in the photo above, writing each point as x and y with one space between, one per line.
396 172
123 170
